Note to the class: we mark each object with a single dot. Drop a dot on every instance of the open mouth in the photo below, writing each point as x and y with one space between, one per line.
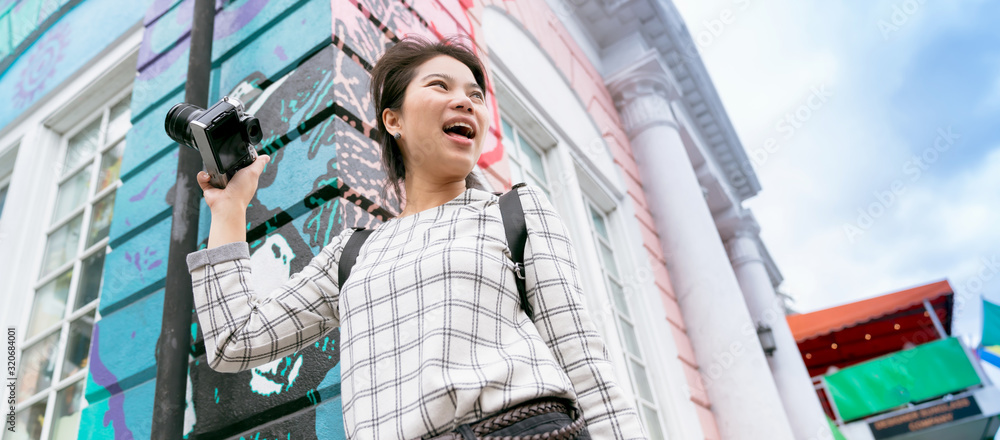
461 129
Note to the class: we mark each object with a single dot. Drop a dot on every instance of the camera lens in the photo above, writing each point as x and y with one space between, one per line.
251 130
178 122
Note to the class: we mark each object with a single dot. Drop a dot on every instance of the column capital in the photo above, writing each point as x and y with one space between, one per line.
737 223
739 231
642 92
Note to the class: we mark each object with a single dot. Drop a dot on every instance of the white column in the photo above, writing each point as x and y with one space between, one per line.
743 395
790 375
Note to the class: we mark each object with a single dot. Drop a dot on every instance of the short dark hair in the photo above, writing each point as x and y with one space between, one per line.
390 77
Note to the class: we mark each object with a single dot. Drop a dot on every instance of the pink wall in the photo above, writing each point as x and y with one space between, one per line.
543 24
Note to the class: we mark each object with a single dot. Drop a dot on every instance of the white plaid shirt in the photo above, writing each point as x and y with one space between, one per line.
432 333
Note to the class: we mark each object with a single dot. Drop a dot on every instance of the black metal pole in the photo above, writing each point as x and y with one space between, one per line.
175 334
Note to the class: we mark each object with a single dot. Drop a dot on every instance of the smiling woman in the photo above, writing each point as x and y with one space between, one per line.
436 342
433 118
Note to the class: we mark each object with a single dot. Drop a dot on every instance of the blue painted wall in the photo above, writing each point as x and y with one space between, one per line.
301 66
73 39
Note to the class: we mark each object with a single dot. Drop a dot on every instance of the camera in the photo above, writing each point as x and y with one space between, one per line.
224 135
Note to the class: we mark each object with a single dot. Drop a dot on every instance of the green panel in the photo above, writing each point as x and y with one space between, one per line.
991 324
924 372
837 435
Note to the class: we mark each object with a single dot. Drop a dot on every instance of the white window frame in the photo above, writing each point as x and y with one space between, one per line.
75 263
517 157
5 183
573 185
46 125
635 316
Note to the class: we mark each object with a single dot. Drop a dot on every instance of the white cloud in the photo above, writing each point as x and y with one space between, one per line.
763 64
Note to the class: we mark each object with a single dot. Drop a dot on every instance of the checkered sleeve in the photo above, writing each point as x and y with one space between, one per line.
243 329
553 289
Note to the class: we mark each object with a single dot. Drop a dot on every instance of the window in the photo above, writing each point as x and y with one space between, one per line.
6 169
54 361
636 366
527 162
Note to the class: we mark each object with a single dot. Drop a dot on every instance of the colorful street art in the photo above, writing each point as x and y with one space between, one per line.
302 68
75 34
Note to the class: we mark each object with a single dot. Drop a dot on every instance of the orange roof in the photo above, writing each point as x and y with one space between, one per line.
809 325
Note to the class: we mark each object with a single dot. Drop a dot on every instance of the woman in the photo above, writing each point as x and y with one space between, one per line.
434 341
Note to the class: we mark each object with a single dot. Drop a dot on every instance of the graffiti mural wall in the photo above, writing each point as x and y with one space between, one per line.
302 68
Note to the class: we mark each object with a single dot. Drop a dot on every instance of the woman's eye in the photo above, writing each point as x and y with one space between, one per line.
439 83
477 95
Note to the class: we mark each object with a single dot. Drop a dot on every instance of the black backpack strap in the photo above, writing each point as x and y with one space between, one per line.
517 235
350 252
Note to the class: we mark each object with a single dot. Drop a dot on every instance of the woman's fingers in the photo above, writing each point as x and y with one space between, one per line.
260 163
203 181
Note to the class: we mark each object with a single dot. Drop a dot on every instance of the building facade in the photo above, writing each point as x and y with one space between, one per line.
603 104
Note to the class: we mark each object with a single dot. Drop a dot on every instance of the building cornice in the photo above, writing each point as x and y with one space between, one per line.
662 31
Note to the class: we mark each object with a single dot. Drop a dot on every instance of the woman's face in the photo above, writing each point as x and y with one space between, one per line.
443 121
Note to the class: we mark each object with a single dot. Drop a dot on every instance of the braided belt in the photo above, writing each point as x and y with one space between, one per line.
523 412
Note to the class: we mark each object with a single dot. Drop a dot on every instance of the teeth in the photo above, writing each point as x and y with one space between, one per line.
467 127
459 124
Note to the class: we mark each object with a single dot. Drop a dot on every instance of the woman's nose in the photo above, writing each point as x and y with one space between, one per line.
464 103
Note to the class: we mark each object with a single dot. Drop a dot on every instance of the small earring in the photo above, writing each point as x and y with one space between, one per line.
396 136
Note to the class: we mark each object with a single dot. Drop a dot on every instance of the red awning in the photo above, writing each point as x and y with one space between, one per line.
810 325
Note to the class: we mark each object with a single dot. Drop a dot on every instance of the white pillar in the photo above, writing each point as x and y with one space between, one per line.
790 375
743 395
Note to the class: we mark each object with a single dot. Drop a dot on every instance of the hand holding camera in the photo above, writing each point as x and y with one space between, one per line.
225 136
240 190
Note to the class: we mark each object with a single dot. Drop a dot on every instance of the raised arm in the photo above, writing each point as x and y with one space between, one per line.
553 288
241 328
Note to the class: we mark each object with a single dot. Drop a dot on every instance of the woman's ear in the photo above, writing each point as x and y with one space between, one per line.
393 122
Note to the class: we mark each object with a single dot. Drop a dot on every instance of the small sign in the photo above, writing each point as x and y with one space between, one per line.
924 418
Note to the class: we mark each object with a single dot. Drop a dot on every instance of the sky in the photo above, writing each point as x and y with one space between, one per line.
874 129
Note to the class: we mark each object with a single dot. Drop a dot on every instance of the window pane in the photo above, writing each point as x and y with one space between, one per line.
609 259
89 287
66 418
111 164
61 245
119 120
78 346
49 304
3 197
652 423
37 365
618 295
599 225
82 145
508 132
72 194
538 184
29 423
100 219
515 173
630 340
641 380
533 157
